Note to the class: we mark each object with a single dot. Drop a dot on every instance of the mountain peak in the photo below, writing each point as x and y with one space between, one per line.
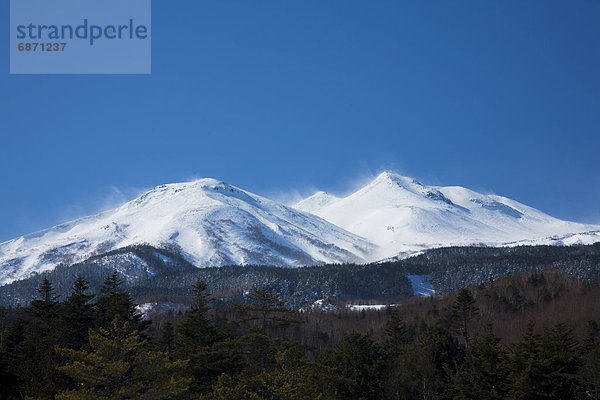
215 223
393 179
316 201
191 188
211 183
212 222
399 214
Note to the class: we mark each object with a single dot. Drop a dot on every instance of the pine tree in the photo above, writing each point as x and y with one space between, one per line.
560 363
463 313
119 367
525 373
293 378
268 310
355 369
12 358
45 309
227 388
397 334
435 351
545 366
483 374
396 354
196 341
34 357
166 342
77 315
197 330
114 302
266 315
590 357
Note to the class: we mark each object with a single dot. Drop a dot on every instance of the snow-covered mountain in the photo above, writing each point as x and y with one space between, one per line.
400 215
213 224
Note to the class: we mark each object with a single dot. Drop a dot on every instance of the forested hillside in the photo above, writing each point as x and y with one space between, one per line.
452 268
164 276
530 336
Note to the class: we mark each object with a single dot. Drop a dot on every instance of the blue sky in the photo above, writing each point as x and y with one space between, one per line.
275 96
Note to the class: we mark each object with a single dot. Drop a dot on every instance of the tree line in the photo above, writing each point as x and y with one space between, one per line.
100 346
159 274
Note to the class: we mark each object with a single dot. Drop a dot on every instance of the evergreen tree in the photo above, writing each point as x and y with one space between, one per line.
560 363
77 315
293 378
45 309
197 330
545 366
590 357
228 388
483 374
397 334
355 369
396 354
118 367
266 315
114 302
12 358
3 326
463 313
196 341
34 356
166 342
525 373
435 352
268 310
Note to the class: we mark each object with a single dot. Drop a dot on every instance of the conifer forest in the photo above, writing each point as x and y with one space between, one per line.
533 335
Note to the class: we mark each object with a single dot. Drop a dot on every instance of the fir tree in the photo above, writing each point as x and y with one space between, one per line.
435 351
355 368
119 367
560 363
268 310
396 353
396 332
197 330
196 338
45 309
463 313
12 358
114 302
483 374
293 378
525 373
77 315
545 366
166 342
35 358
590 357
266 315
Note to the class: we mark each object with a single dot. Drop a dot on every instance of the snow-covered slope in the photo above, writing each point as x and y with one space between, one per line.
316 202
400 215
213 223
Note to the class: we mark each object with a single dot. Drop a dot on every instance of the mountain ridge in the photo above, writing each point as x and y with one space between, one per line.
400 215
213 223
